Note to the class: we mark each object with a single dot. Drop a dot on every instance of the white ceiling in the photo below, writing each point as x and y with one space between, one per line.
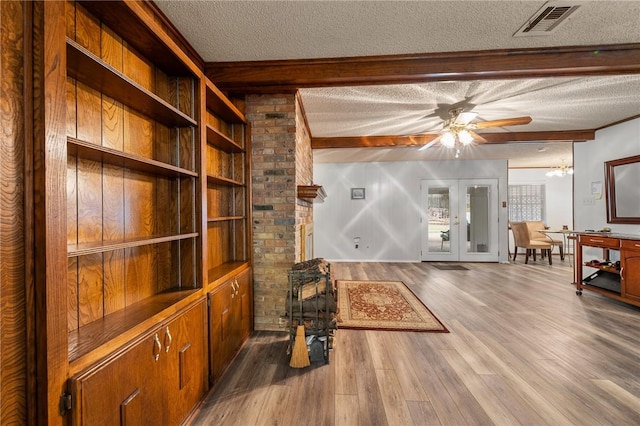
271 30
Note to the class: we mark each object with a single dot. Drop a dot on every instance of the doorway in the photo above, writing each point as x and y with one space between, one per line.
459 220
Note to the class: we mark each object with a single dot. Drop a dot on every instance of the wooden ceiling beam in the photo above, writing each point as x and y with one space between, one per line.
287 76
492 138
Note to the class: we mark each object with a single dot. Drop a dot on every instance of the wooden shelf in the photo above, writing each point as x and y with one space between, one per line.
225 218
314 193
222 141
114 157
218 103
219 180
222 271
610 269
101 247
117 324
87 68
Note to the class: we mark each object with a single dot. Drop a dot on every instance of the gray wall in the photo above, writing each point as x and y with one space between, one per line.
388 220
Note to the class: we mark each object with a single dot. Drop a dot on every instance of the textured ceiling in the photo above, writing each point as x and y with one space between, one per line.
267 30
271 30
557 103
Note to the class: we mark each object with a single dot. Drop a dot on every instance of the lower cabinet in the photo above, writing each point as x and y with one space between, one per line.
630 273
158 380
230 320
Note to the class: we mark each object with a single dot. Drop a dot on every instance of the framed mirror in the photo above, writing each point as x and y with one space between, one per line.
622 186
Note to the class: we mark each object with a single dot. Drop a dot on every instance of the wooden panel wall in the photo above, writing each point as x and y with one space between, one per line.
13 223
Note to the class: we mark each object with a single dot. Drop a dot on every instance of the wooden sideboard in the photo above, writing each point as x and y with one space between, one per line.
616 273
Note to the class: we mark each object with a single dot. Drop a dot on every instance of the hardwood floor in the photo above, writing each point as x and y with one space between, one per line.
523 348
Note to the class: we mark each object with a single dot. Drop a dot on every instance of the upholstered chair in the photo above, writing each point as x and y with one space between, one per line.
523 240
535 226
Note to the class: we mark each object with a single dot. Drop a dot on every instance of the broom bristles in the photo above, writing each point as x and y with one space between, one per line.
300 355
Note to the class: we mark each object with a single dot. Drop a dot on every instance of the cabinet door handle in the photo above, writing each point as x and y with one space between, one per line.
167 335
237 286
622 273
233 290
157 348
593 240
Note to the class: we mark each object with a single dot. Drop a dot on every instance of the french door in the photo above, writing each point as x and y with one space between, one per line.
459 220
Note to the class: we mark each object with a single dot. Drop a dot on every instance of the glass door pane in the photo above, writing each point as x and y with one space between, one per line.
438 213
477 217
439 235
479 220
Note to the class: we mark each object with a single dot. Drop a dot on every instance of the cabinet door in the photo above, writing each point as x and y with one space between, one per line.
631 274
185 376
221 328
245 300
125 391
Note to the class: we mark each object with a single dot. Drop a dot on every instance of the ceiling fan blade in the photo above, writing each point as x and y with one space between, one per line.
476 137
464 118
516 121
433 142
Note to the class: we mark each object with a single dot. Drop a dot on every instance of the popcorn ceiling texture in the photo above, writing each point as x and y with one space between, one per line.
269 30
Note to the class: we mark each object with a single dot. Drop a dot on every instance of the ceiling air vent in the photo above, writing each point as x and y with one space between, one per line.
548 19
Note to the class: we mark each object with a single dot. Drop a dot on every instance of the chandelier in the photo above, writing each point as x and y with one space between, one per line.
560 171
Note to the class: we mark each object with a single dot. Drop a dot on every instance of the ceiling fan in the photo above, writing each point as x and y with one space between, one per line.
458 128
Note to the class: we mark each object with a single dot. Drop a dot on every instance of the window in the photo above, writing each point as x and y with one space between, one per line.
526 202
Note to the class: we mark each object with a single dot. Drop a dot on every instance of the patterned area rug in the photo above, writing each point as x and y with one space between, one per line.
383 305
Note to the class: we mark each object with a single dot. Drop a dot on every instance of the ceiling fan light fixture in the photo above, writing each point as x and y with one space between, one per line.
465 137
448 140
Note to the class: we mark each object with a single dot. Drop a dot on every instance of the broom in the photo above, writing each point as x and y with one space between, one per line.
299 355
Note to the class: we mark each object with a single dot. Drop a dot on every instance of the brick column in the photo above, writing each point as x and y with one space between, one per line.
280 142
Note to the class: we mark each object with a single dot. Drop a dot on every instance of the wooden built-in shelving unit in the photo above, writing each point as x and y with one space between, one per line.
228 229
134 288
227 169
145 224
131 191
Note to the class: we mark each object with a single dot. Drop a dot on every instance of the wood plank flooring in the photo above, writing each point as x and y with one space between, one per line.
523 349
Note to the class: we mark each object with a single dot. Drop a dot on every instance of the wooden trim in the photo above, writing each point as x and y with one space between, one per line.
303 113
248 200
29 213
314 193
419 140
286 76
202 182
49 167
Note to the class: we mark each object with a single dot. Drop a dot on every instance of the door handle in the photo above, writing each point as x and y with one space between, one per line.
157 348
167 336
